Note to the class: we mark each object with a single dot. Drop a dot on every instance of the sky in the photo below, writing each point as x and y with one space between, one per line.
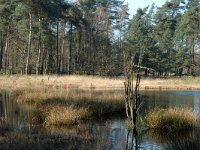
135 4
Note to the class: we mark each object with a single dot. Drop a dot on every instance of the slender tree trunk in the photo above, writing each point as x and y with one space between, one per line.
57 63
39 49
192 56
5 54
1 52
62 50
44 57
70 51
79 49
13 56
38 60
29 44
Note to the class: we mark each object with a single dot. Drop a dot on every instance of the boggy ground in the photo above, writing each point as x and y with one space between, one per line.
71 106
68 100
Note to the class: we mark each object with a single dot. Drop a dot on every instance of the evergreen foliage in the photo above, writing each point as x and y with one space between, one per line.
96 37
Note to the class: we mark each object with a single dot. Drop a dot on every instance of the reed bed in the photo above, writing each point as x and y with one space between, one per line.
69 107
16 82
171 119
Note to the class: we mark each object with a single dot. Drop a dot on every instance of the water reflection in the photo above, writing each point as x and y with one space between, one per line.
196 104
12 117
8 110
165 99
177 140
103 135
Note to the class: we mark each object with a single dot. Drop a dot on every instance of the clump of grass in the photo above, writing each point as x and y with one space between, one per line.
60 115
171 119
71 106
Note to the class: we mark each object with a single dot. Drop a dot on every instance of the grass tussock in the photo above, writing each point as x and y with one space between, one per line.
69 107
171 119
59 116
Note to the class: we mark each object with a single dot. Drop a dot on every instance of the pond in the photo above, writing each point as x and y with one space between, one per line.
17 132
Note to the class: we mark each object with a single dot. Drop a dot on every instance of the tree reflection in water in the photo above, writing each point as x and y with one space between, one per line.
134 139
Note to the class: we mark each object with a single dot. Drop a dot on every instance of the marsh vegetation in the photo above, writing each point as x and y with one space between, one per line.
70 107
18 82
172 119
52 108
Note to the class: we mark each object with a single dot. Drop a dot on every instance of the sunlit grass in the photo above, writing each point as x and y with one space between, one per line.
97 96
59 82
171 119
16 82
183 83
55 107
60 115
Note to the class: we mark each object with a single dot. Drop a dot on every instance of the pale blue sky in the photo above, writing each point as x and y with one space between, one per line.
135 4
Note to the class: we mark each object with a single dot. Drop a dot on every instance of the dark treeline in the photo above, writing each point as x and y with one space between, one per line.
94 37
167 38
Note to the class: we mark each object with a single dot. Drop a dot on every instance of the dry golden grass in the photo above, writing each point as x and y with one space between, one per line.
55 107
81 92
58 82
171 119
60 115
184 83
15 82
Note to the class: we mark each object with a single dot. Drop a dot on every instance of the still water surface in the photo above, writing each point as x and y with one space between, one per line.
101 135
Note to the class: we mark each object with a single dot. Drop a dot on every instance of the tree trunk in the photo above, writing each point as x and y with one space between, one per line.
192 56
57 63
62 57
44 57
38 60
70 51
5 54
1 52
39 49
29 44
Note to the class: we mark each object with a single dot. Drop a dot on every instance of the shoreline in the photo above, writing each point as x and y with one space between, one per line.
16 82
81 98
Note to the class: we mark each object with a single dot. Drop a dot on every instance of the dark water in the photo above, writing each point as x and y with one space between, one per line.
16 131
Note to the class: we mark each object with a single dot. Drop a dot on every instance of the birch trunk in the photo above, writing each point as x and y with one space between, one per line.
29 44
